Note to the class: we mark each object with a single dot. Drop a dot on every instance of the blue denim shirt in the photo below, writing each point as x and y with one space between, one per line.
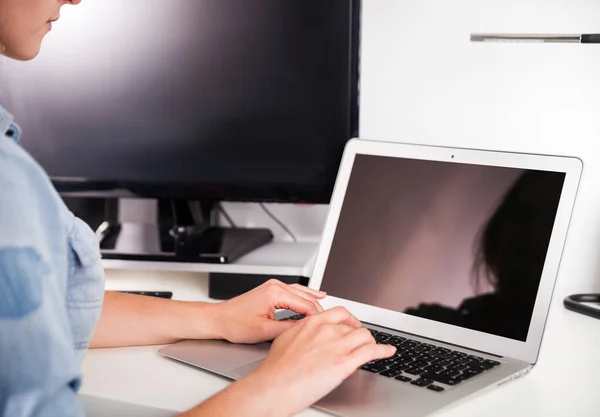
51 290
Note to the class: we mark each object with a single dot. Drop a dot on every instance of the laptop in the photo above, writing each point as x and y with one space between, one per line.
451 255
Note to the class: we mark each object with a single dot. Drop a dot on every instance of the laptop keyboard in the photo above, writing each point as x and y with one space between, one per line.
426 365
423 364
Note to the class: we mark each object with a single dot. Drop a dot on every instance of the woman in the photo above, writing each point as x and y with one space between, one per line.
510 257
52 295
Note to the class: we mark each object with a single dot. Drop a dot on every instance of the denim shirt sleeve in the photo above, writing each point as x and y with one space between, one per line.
39 372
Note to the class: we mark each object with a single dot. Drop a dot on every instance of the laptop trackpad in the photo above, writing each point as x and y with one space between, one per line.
247 369
217 355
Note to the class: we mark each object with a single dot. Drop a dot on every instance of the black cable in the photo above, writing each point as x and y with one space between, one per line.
575 303
279 222
227 216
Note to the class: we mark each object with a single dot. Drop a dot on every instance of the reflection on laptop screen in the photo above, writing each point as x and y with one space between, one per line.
456 243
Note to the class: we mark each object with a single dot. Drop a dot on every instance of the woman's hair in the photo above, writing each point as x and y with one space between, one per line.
513 243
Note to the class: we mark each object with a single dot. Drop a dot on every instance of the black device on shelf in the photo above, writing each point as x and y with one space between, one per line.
193 103
223 286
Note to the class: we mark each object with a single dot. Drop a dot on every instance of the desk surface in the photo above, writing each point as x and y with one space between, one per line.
563 383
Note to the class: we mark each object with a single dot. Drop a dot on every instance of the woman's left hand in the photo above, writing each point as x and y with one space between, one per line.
249 318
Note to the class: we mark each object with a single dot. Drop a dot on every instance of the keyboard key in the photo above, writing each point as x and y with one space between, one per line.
491 362
478 365
435 388
414 371
434 368
455 365
448 373
373 368
403 378
464 360
420 364
442 379
470 373
385 362
422 382
477 358
401 366
390 373
427 358
460 355
451 381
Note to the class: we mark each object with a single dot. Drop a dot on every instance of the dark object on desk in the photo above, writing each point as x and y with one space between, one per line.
225 286
575 303
217 244
183 232
159 294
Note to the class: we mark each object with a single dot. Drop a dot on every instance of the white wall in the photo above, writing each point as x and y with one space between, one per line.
423 81
304 221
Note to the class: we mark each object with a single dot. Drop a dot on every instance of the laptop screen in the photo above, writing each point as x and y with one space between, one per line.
456 243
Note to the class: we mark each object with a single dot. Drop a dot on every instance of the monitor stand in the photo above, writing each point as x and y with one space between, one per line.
174 231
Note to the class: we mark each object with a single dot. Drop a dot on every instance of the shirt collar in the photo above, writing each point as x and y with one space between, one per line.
8 127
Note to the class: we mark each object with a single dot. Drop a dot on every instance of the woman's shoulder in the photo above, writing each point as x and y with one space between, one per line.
21 177
15 159
28 201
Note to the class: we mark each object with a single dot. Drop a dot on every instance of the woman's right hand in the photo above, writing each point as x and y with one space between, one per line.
310 359
305 363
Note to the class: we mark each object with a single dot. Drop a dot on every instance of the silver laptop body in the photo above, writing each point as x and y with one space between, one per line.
449 254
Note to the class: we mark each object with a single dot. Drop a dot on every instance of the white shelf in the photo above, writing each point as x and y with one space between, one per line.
277 258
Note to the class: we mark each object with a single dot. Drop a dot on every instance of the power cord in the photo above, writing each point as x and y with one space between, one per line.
279 222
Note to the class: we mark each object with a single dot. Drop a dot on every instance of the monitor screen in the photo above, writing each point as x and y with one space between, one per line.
457 243
219 99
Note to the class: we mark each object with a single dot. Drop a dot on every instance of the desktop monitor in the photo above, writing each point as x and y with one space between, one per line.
211 100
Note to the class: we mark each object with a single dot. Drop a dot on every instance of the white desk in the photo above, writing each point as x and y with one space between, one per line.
564 383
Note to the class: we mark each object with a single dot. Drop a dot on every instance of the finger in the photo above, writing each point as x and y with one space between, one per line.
288 300
354 339
342 330
335 315
369 352
305 295
313 292
296 290
266 284
273 328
